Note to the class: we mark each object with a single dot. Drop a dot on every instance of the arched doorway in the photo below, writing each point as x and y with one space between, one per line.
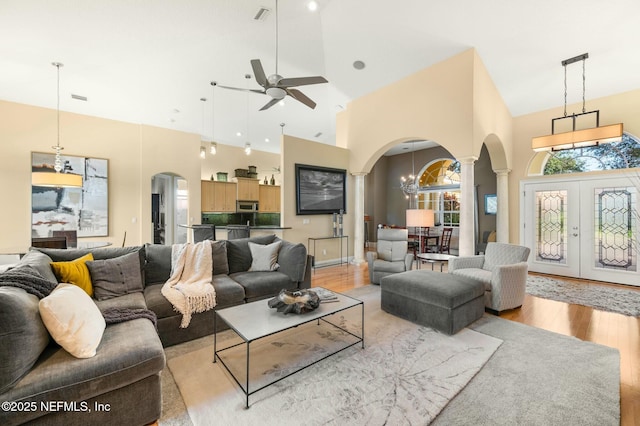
169 208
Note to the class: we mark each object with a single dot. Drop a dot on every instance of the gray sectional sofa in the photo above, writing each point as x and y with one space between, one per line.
41 383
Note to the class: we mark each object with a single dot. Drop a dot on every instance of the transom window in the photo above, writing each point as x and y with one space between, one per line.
610 156
440 191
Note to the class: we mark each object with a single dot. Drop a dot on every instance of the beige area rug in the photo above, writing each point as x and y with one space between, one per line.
406 374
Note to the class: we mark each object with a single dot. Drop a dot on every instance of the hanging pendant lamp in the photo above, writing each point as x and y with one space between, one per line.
57 178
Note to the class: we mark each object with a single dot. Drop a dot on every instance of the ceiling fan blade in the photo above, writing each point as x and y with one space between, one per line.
301 81
269 104
241 90
301 97
258 72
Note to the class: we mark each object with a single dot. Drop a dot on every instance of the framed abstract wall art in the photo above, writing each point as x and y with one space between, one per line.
85 209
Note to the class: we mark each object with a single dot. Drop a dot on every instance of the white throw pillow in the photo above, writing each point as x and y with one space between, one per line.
264 257
73 320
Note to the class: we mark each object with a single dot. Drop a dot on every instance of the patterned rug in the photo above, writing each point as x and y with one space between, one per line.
405 375
600 297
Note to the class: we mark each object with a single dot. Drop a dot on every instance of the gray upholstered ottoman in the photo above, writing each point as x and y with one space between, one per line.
445 302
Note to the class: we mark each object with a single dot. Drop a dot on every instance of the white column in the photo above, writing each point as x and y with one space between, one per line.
466 241
502 216
358 221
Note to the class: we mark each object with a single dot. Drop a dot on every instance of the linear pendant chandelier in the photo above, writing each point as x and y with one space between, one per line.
57 178
577 138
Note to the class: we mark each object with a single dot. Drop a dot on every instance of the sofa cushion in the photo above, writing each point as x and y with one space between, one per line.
477 274
23 335
292 259
115 277
41 262
238 252
258 285
157 267
75 272
73 320
219 254
264 257
131 300
129 352
228 293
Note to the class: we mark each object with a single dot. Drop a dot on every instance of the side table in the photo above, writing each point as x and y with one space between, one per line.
434 258
315 239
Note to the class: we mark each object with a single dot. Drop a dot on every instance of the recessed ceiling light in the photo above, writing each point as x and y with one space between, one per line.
176 110
267 140
359 65
238 134
312 6
317 135
79 97
281 103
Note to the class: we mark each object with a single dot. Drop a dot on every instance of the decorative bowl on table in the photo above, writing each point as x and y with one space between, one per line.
296 302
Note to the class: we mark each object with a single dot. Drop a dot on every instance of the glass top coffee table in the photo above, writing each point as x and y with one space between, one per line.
254 321
434 258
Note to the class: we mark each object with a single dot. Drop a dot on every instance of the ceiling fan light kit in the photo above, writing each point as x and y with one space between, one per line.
276 86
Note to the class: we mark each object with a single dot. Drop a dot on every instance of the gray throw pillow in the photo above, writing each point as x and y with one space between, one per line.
219 254
23 335
115 277
264 257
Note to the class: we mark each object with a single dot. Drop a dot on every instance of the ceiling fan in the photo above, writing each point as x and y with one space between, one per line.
276 86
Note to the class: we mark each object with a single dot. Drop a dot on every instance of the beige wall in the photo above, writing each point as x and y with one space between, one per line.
135 153
295 150
453 103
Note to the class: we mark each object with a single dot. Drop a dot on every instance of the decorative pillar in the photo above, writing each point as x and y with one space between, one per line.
502 216
466 240
358 221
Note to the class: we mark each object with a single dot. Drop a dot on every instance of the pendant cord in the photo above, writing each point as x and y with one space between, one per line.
276 37
584 86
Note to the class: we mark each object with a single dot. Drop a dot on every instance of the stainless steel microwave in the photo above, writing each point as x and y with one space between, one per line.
246 206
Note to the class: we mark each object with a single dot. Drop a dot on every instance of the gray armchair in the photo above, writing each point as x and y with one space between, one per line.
391 256
503 271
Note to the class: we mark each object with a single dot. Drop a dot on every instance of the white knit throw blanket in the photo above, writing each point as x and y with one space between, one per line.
189 288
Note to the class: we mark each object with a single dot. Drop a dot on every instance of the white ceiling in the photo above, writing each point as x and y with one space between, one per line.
150 61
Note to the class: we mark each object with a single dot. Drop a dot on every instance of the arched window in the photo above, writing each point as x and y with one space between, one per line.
610 156
440 191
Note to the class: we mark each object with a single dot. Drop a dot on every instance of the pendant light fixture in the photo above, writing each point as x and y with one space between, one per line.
410 185
213 146
58 178
203 150
577 138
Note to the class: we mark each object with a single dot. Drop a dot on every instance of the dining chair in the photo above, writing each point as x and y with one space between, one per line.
445 240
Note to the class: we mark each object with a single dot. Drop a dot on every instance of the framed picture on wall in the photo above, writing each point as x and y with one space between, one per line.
320 190
85 210
490 204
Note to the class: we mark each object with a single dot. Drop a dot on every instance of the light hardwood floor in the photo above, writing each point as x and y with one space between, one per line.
605 328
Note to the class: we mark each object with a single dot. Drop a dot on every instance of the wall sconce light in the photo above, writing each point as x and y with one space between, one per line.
203 152
213 148
247 148
577 138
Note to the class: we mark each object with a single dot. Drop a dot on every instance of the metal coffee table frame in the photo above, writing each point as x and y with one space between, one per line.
254 321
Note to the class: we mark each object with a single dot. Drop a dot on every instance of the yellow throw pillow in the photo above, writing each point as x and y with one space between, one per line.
75 272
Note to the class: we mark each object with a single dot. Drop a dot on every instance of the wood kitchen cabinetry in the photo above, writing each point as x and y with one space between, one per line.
218 196
248 189
269 200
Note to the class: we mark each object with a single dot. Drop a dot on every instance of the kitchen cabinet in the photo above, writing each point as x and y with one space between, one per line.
218 196
248 189
269 200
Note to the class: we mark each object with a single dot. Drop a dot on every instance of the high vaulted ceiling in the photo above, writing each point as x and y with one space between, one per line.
150 61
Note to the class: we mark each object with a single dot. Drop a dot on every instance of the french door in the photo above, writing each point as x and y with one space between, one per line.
583 227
